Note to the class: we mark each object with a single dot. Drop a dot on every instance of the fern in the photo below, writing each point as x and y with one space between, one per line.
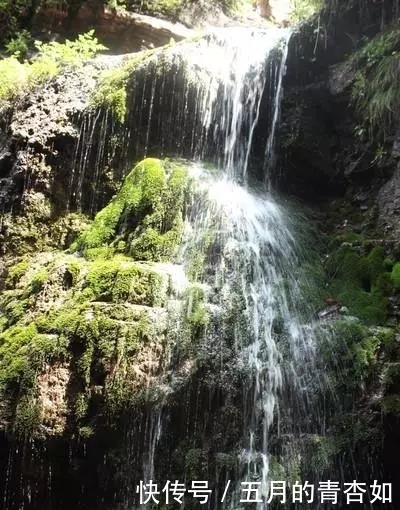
376 93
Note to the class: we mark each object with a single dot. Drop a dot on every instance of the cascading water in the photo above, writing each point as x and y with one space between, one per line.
250 253
244 239
234 62
251 258
246 243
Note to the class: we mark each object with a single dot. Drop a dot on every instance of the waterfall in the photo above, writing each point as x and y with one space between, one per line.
201 100
249 251
244 238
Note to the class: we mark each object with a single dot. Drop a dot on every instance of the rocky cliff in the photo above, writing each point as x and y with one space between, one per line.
104 342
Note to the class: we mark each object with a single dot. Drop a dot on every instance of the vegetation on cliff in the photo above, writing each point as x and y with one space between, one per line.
144 220
97 315
375 92
18 77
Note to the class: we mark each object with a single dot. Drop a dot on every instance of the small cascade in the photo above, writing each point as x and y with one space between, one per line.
200 100
233 62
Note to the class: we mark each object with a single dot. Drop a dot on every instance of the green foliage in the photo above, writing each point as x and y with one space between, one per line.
375 91
16 77
112 90
305 9
359 282
146 214
18 46
170 8
13 77
12 13
395 276
83 48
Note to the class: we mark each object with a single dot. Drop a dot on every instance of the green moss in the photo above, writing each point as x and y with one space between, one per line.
27 419
119 280
111 92
14 306
395 276
365 355
360 282
99 323
23 351
145 216
196 313
16 272
38 281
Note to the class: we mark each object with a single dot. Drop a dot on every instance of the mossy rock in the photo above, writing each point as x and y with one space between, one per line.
99 318
118 280
395 276
144 220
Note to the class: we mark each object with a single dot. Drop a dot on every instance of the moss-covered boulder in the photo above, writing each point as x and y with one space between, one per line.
85 334
144 220
79 339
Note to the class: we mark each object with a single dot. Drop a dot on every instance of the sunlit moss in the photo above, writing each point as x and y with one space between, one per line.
144 219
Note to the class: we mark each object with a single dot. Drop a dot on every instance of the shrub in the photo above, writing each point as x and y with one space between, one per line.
19 45
13 76
52 57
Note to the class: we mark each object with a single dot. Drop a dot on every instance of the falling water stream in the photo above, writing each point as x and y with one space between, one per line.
255 257
246 239
240 231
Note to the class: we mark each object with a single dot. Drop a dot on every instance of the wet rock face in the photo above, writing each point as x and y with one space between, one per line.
308 143
37 149
53 385
324 147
